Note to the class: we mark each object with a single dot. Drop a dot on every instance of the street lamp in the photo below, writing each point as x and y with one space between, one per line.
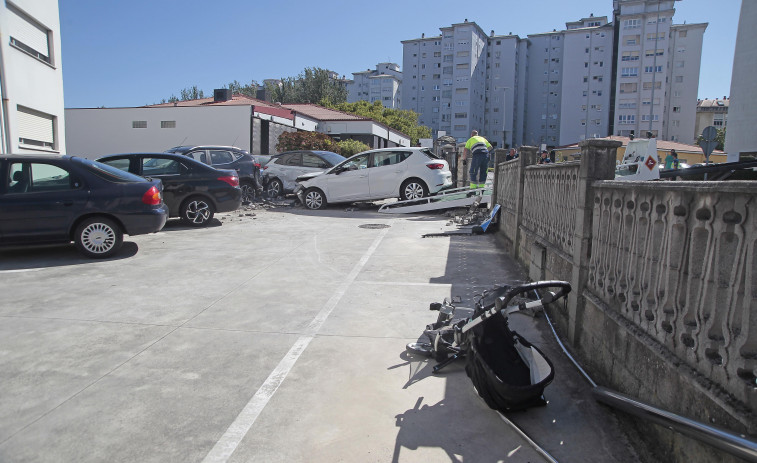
504 114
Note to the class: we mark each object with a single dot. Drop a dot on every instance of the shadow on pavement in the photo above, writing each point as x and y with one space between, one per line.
54 255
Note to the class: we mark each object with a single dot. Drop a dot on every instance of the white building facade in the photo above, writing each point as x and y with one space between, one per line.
31 78
381 84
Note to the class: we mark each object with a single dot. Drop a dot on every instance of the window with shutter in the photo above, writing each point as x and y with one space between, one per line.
35 128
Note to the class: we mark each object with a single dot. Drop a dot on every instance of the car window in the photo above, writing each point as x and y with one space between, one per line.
294 159
122 164
27 177
198 155
332 158
221 157
109 173
388 158
311 160
360 161
160 166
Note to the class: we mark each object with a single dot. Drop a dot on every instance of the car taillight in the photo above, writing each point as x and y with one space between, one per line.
152 196
435 166
232 180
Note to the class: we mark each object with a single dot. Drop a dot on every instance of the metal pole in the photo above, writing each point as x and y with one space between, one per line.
734 444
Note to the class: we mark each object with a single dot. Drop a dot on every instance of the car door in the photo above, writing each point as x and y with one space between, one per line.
350 181
222 159
290 167
386 173
175 176
41 201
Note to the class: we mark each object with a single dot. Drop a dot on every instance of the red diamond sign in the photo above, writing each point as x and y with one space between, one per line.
650 162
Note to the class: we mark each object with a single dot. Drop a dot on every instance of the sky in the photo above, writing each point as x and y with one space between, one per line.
123 53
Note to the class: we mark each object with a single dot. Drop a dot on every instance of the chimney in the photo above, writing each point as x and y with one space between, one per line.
221 94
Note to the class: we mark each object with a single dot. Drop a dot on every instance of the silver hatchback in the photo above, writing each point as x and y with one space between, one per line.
280 172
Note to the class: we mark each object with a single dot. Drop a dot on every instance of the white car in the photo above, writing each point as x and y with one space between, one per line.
280 172
407 173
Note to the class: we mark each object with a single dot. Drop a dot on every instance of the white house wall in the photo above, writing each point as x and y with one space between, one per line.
28 81
95 132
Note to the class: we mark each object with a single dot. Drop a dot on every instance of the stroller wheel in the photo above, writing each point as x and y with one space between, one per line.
423 348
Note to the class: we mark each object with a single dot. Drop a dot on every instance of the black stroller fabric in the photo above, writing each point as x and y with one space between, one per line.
498 370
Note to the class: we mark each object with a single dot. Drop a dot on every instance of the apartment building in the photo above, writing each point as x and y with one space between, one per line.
634 74
380 84
741 138
711 113
31 79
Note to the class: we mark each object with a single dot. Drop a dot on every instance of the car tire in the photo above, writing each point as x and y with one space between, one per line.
248 192
98 237
274 188
314 199
413 188
197 211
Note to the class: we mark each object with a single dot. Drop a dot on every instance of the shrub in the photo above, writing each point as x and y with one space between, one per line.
350 147
290 141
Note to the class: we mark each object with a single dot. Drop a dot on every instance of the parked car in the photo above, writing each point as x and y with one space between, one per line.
57 198
228 157
192 190
407 173
280 173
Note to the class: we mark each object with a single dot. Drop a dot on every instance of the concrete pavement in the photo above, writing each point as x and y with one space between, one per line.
277 336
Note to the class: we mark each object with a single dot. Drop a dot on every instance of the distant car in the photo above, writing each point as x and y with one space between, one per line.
407 173
57 198
228 157
280 173
192 190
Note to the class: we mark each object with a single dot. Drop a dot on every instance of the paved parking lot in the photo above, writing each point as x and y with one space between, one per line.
275 335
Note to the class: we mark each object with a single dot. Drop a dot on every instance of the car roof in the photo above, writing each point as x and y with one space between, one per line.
185 148
34 157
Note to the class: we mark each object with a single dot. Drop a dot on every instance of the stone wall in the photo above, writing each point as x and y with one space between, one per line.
664 276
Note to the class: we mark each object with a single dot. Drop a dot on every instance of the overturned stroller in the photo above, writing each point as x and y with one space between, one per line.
507 371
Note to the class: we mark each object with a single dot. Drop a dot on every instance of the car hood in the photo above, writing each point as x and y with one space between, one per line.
308 176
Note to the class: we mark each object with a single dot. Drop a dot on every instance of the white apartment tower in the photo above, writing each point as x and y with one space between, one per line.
31 79
445 79
636 74
380 84
657 71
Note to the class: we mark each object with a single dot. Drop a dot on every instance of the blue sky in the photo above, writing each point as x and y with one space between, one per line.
136 52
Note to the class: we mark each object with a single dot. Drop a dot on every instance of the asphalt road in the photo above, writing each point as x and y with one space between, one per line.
274 335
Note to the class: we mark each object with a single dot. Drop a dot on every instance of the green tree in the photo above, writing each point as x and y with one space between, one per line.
404 120
237 88
720 139
313 85
289 141
349 147
191 93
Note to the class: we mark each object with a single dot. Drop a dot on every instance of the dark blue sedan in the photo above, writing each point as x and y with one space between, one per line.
57 198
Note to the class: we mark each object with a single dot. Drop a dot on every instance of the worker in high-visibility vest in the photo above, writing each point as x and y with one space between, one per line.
478 147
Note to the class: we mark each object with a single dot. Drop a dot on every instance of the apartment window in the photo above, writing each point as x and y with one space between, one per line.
598 78
630 56
437 76
627 119
436 110
462 66
423 55
586 65
627 104
682 34
463 54
460 127
629 88
629 72
447 82
437 54
448 58
718 120
461 90
35 128
29 36
650 69
631 23
138 124
436 98
461 115
631 39
167 124
436 87
675 123
645 117
680 64
679 79
583 122
657 52
653 36
676 109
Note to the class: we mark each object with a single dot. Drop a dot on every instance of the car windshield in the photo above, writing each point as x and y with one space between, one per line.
332 158
109 173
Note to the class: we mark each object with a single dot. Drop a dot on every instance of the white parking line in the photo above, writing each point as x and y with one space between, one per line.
228 443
